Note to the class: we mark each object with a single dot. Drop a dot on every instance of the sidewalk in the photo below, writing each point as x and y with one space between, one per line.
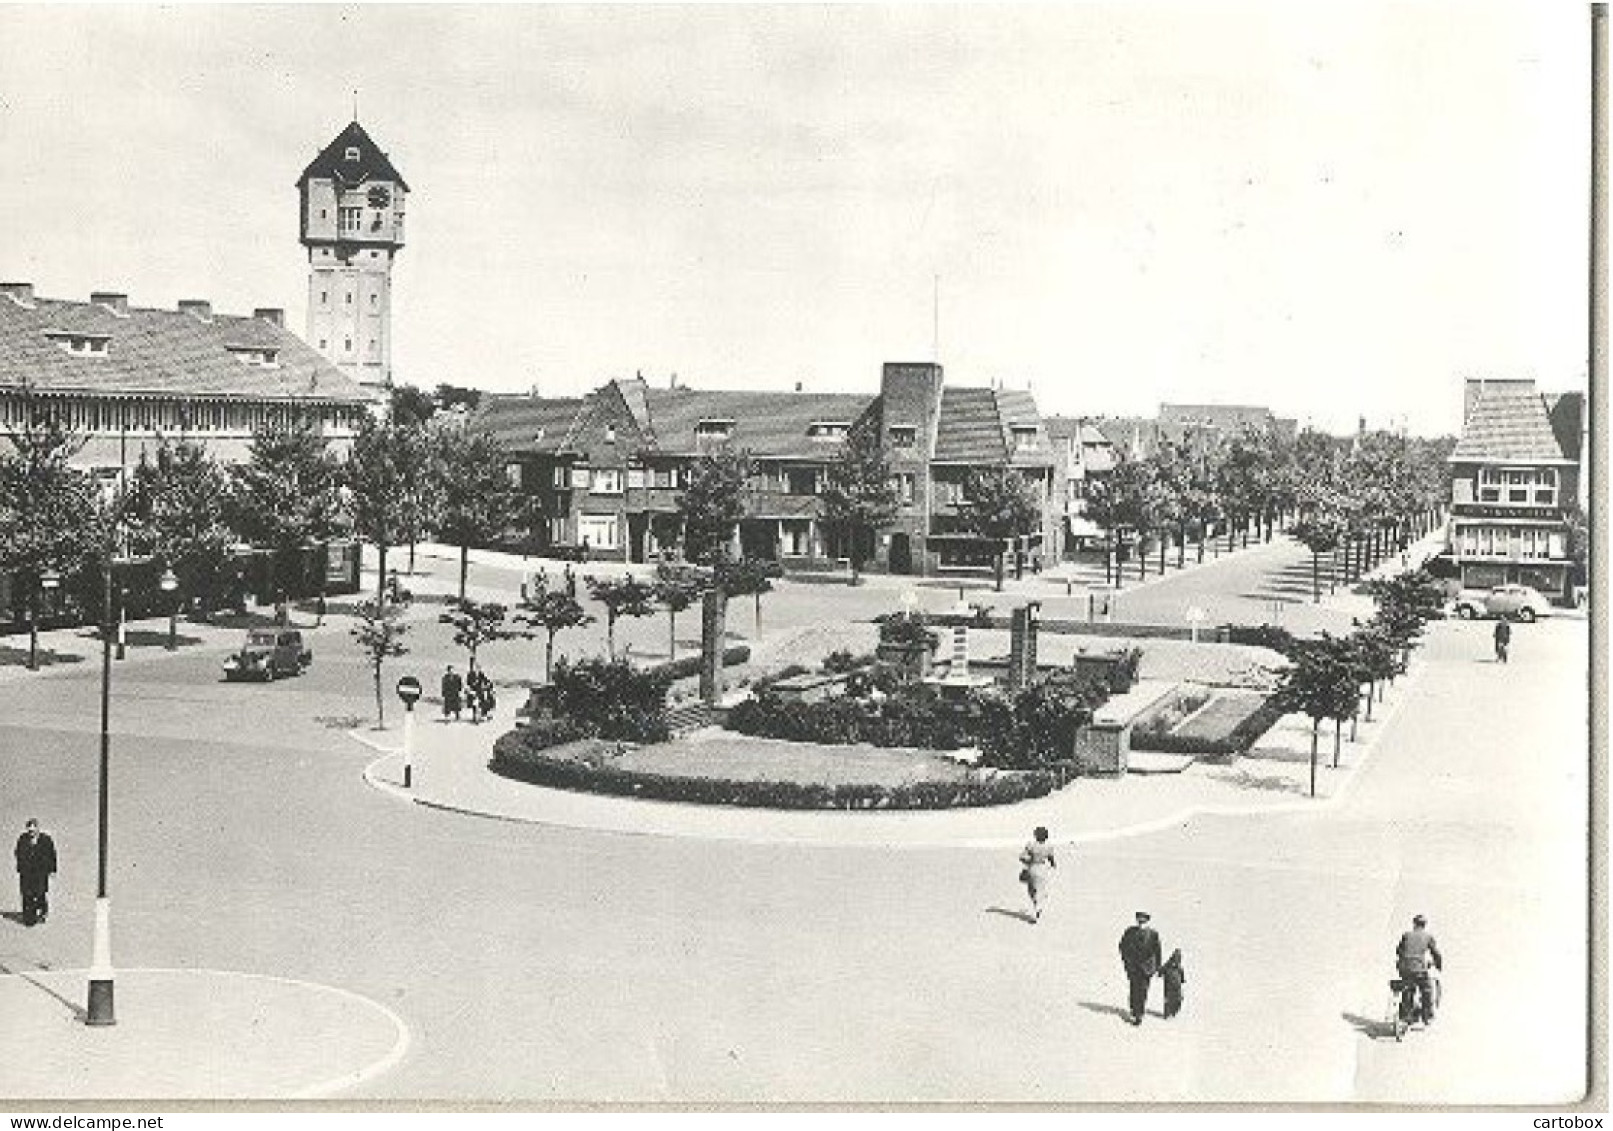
190 1034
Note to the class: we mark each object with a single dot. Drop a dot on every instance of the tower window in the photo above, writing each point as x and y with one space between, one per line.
324 343
374 299
324 297
352 153
349 300
347 344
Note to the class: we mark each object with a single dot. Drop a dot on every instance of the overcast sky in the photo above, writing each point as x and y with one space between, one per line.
1334 210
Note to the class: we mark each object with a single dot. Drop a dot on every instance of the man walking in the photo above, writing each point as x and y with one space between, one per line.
453 684
1503 639
1140 954
36 861
1415 955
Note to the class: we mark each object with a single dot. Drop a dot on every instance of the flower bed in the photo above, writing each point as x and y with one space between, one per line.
1231 724
582 767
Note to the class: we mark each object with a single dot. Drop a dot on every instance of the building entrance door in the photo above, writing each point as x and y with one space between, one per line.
901 554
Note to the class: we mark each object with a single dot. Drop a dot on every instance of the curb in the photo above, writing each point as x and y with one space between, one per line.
1141 828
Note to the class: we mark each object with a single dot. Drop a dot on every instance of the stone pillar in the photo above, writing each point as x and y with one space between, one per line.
713 639
959 668
1022 645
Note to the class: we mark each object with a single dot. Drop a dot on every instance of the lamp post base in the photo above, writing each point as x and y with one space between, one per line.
100 1012
100 1004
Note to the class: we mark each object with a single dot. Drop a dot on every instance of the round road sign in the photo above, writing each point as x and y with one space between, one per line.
409 690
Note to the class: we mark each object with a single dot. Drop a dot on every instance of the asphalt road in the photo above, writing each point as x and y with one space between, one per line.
544 964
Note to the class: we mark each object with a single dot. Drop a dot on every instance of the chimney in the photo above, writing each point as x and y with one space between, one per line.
273 315
198 307
20 293
114 301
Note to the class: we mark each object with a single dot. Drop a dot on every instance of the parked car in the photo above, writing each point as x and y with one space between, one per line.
268 654
1506 602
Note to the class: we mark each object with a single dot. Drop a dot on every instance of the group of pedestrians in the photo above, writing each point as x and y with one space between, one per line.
1140 949
1417 957
473 692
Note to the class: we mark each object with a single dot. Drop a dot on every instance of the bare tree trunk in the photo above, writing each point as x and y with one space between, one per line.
1338 733
380 701
548 657
672 634
464 567
380 574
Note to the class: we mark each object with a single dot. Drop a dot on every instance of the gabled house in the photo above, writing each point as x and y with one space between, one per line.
1515 477
608 468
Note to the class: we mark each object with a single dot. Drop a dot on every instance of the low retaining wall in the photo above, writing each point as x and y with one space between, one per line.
1103 746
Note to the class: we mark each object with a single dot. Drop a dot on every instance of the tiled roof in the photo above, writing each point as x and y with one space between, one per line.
970 430
1509 424
160 352
332 163
769 424
528 424
977 426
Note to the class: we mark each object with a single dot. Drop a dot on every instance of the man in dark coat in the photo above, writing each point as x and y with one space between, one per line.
452 685
36 861
1140 954
1503 639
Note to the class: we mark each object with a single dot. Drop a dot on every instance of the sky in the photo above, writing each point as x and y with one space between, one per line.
1335 210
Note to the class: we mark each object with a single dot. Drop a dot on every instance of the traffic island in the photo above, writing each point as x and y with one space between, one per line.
191 1034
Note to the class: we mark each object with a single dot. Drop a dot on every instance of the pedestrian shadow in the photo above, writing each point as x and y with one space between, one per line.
148 638
340 722
79 1013
1012 913
1374 1028
1111 1010
15 917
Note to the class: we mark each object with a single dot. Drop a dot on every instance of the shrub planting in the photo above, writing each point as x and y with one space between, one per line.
515 756
1230 726
606 698
674 670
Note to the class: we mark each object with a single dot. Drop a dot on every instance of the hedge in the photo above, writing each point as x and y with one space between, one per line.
690 665
514 758
913 716
1224 741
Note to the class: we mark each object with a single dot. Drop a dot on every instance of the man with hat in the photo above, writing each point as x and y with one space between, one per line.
1415 955
36 861
1140 954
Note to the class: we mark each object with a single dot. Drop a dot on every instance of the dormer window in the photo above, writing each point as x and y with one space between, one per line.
714 429
828 429
1024 437
79 344
904 435
255 356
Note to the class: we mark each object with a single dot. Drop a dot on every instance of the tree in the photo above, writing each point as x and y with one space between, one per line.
476 623
478 502
622 597
1121 501
1320 683
749 577
1321 533
450 397
178 513
287 495
859 493
408 405
379 633
1000 504
52 520
1036 726
552 611
678 585
712 504
377 475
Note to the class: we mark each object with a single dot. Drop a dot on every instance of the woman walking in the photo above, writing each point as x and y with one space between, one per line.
1037 873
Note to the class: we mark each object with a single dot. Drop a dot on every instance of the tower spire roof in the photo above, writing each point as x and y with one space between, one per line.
335 163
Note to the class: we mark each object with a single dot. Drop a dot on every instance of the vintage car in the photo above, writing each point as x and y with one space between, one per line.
1505 602
268 654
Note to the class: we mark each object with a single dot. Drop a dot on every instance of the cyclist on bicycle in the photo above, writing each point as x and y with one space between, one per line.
1416 955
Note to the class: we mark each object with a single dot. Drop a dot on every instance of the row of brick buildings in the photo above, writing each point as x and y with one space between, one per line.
608 467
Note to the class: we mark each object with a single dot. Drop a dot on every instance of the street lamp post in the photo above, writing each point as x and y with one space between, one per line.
100 1010
170 585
